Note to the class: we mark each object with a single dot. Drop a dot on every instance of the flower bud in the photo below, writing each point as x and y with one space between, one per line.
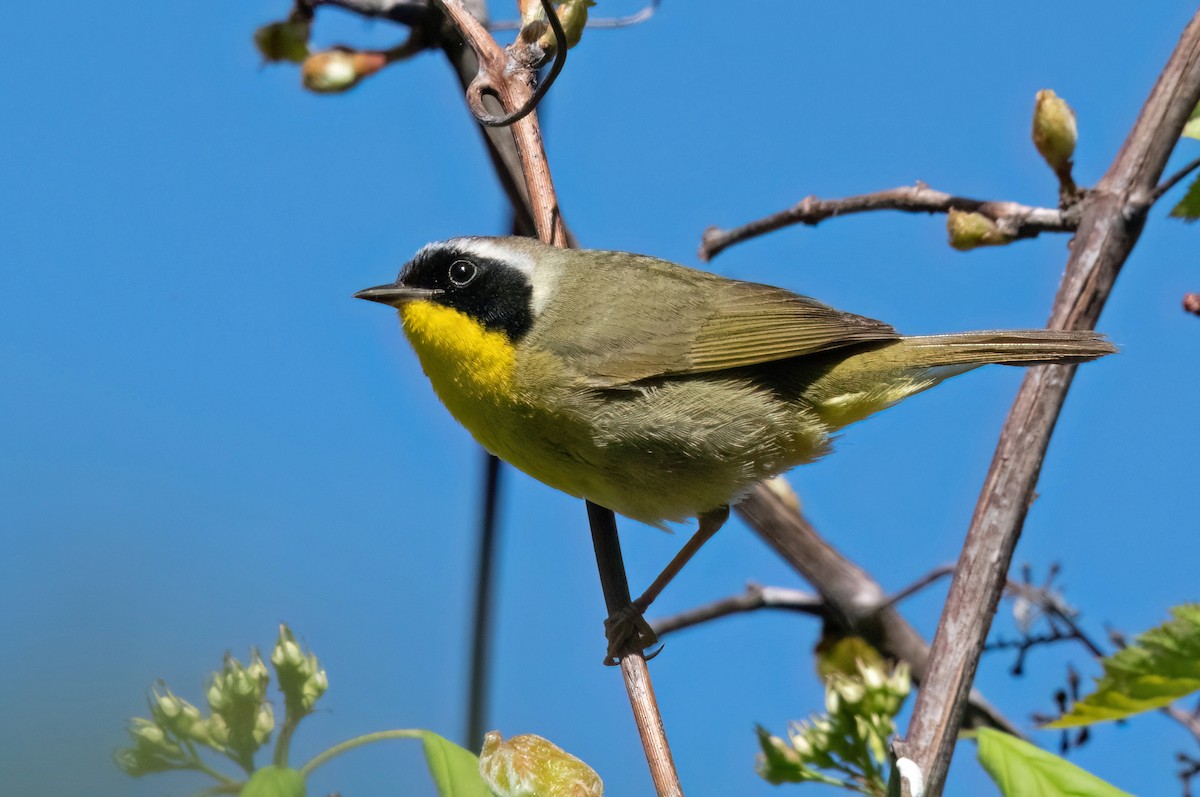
1054 131
172 712
217 730
573 15
264 723
849 691
969 230
301 678
339 69
284 41
529 764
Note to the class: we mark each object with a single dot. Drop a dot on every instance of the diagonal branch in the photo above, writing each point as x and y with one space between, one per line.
514 88
855 602
1112 220
1013 219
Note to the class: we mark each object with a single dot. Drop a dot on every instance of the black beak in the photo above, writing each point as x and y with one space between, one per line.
395 295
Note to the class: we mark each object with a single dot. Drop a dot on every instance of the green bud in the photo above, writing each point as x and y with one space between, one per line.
969 230
217 730
1054 132
844 655
301 678
340 69
264 723
146 732
237 694
573 15
287 652
138 761
284 41
257 672
530 765
172 712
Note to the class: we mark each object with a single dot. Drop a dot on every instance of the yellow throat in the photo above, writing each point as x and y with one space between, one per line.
466 363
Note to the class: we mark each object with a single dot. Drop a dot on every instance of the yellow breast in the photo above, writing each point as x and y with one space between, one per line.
466 363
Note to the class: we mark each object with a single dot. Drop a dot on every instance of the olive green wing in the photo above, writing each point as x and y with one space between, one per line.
754 323
653 319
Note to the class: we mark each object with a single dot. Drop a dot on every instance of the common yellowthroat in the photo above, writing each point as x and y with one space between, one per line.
659 391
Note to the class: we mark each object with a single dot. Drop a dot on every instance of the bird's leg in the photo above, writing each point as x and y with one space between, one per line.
627 623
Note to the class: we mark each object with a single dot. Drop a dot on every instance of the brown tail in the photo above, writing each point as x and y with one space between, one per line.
868 381
1004 347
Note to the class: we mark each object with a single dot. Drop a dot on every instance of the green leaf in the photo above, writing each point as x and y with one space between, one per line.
274 782
455 769
1192 128
1189 207
1161 667
1021 769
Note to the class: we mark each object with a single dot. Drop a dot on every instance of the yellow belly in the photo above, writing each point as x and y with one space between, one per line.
655 455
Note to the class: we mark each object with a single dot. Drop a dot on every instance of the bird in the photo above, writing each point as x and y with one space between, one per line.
659 391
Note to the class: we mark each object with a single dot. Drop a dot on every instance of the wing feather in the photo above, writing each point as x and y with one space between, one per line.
697 323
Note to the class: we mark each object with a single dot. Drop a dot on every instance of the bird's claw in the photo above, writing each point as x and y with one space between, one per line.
626 628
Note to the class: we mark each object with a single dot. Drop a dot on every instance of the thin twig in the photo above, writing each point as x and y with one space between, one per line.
543 205
755 597
481 628
404 12
646 715
513 87
1013 219
854 599
932 577
758 596
636 18
1113 215
1169 183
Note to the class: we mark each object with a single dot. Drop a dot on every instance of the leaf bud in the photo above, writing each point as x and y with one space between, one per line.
1054 132
969 230
286 40
529 764
339 69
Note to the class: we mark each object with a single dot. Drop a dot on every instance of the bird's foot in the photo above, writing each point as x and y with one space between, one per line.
627 628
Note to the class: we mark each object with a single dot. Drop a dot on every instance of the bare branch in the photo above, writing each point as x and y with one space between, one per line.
755 597
415 13
1173 180
932 577
1187 719
636 18
1113 215
514 89
1013 219
633 664
856 603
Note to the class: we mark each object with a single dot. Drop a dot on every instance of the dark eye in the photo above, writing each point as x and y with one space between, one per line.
462 272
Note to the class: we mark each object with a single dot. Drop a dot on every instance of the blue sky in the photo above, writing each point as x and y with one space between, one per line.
203 435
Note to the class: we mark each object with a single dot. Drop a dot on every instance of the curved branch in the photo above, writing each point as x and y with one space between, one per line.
486 83
855 602
1174 179
1014 219
755 597
1112 220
